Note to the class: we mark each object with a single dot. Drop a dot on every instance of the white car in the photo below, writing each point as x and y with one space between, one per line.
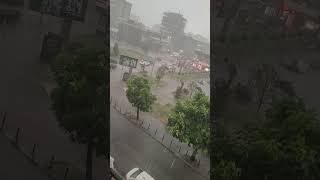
138 174
145 63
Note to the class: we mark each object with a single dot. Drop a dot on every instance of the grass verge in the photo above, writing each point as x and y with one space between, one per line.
189 76
161 112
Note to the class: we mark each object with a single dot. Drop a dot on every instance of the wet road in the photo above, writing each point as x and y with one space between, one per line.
131 148
21 96
15 166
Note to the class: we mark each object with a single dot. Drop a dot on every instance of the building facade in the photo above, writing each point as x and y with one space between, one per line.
120 10
174 23
130 32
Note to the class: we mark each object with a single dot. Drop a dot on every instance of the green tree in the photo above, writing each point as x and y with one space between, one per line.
192 88
225 170
181 91
189 122
263 82
283 147
116 49
139 94
80 99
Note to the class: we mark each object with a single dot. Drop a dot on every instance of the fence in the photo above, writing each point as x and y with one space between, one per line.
51 166
181 150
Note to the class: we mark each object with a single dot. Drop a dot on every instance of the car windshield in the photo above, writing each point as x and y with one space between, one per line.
136 174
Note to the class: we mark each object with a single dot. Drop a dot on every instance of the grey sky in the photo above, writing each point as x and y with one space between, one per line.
197 12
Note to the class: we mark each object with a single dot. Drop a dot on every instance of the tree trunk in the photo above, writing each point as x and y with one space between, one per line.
193 156
152 68
89 161
260 103
138 113
180 70
261 99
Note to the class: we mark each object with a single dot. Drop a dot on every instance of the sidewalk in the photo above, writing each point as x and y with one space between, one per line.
156 128
15 166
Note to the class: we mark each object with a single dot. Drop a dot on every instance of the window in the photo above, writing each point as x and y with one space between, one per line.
136 174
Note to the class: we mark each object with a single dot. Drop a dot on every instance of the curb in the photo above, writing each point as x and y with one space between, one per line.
42 170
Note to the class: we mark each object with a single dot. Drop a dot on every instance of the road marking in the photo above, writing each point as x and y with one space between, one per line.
172 163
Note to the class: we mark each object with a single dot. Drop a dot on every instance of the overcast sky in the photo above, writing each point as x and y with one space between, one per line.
197 13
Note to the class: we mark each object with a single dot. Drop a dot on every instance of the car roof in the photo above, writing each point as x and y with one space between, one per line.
144 176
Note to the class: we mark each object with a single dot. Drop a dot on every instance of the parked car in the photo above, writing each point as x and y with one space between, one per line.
138 174
145 63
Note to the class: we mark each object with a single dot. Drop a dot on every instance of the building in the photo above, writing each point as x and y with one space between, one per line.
174 23
134 18
130 32
185 43
156 39
120 10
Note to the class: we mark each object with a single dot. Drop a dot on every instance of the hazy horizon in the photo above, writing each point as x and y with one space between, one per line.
197 13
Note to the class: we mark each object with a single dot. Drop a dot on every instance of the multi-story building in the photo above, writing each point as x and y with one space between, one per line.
119 11
185 43
130 32
174 23
157 40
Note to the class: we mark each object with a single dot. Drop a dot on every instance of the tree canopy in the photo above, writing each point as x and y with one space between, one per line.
189 122
160 73
80 99
139 94
283 147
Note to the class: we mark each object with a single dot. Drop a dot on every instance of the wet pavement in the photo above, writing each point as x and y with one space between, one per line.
26 104
15 166
122 144
131 148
